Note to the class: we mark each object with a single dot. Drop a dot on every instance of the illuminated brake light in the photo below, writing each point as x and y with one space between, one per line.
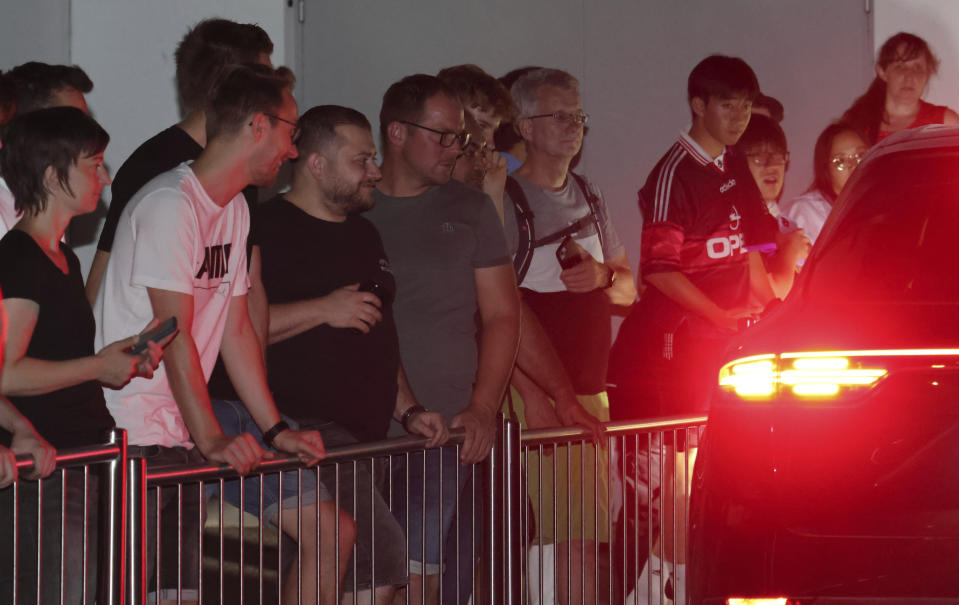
757 601
750 377
817 375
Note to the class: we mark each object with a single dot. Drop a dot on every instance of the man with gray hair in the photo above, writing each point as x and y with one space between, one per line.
571 266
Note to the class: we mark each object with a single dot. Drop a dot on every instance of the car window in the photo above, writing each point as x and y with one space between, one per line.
898 240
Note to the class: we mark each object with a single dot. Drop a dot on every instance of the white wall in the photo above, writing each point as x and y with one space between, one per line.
25 37
937 22
632 59
126 46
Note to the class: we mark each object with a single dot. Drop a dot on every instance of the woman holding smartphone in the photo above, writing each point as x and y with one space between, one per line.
52 160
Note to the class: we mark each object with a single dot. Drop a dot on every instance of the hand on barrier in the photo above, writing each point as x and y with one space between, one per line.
28 441
347 307
242 452
8 467
305 445
480 431
576 415
429 424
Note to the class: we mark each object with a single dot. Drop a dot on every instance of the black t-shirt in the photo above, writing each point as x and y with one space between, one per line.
75 415
161 153
326 373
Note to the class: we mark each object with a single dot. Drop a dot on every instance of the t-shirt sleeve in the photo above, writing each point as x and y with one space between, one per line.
165 239
665 206
490 239
18 278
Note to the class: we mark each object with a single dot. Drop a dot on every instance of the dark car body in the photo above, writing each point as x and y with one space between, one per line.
840 483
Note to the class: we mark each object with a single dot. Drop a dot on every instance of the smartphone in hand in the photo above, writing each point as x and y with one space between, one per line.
157 334
567 254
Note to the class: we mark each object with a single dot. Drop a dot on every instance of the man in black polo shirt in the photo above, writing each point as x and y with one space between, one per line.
333 359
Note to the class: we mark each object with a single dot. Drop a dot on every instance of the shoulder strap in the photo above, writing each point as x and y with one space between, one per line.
524 228
594 206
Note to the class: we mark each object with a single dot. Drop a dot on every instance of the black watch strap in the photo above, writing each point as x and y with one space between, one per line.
275 430
409 413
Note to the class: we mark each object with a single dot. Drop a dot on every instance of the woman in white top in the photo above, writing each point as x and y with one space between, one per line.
839 149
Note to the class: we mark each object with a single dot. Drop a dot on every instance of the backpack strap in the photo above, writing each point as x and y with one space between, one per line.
595 210
524 227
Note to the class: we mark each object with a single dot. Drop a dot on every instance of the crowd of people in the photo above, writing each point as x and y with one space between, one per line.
468 272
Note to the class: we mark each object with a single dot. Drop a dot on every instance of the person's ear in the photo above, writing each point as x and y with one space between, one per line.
316 164
396 133
524 126
51 182
260 126
698 106
881 73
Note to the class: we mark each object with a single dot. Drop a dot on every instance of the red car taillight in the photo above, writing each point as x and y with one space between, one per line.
816 375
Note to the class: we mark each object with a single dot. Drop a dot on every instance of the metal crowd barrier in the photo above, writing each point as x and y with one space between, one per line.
557 520
45 558
608 524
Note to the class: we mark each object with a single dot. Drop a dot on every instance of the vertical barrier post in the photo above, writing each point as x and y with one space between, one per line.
503 546
111 538
136 530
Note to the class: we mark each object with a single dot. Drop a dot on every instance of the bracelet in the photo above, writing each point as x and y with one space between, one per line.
411 411
275 430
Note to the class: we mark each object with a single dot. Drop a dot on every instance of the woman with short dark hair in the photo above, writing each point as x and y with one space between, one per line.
52 160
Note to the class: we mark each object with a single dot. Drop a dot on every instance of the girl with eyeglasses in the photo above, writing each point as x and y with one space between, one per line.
893 101
838 151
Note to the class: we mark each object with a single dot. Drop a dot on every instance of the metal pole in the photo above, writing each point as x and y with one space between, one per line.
503 547
114 506
136 555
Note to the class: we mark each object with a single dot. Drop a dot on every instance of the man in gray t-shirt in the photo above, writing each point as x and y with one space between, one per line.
447 251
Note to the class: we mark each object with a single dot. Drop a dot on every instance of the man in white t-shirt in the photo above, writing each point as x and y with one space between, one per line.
180 251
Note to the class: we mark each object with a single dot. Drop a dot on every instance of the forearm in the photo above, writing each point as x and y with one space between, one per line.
404 394
497 352
183 369
538 360
623 290
780 271
11 419
289 319
29 376
244 364
259 310
677 287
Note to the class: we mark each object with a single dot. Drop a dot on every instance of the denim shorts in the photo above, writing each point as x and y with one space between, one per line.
234 419
428 521
379 557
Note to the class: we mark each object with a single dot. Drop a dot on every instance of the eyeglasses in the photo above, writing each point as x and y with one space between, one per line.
295 134
447 137
580 119
767 158
846 162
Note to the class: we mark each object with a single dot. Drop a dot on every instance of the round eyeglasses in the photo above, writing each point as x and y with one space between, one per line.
846 162
766 158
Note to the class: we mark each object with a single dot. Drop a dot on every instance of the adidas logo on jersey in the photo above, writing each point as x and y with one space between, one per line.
727 185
